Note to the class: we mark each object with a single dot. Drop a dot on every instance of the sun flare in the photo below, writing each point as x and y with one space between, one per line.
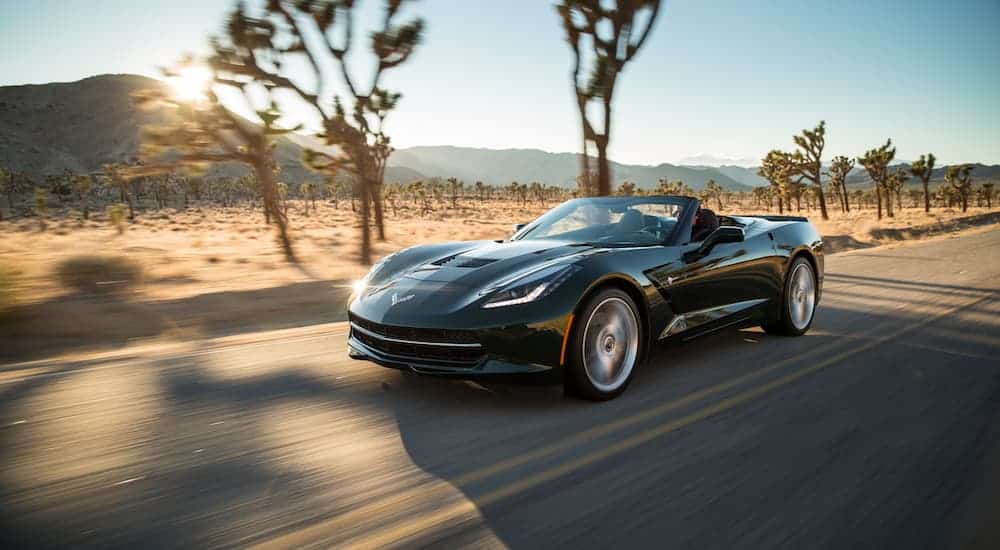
191 82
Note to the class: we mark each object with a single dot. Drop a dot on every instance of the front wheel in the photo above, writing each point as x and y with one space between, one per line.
604 346
798 301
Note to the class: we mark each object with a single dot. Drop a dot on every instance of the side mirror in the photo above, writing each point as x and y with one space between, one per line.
724 234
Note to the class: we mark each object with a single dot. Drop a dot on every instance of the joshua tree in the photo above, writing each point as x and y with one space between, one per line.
626 188
82 183
959 176
714 190
876 162
455 188
922 168
205 132
335 188
41 207
675 187
118 176
306 191
537 191
318 35
809 163
776 168
116 215
988 194
761 196
894 186
479 191
839 169
607 35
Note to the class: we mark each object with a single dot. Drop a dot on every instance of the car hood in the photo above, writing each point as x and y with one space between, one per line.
454 278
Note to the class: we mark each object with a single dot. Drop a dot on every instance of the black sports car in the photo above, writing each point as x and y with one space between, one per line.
582 292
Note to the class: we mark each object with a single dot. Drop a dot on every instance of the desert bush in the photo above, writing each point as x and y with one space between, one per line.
99 274
116 214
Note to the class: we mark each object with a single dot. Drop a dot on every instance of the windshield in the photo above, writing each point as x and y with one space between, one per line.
629 221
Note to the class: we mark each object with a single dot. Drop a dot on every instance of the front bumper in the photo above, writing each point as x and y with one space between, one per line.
519 352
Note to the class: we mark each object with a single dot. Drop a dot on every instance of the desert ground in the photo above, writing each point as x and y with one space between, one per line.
208 271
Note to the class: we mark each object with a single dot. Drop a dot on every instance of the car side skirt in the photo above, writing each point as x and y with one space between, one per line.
711 319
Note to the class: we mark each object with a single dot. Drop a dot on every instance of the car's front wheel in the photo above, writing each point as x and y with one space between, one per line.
605 346
798 301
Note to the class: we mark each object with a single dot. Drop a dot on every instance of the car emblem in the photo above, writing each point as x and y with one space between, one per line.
397 300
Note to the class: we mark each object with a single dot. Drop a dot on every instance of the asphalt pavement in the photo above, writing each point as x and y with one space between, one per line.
878 429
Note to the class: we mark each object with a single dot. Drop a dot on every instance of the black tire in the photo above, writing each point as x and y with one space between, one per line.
789 322
609 342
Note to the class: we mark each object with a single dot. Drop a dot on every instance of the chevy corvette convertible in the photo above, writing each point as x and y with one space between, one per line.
582 293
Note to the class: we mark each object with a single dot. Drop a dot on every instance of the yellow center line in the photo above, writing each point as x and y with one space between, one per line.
416 525
438 488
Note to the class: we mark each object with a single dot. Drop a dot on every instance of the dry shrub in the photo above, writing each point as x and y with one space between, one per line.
116 215
99 274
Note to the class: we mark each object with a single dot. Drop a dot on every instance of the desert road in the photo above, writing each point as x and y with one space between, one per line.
880 428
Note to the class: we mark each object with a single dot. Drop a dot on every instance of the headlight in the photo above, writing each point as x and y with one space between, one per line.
529 287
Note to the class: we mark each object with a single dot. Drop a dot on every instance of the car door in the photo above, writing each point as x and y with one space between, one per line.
730 278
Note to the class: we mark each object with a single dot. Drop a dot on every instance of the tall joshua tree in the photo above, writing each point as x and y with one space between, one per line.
959 176
876 162
318 36
810 163
776 168
923 168
605 36
206 132
840 167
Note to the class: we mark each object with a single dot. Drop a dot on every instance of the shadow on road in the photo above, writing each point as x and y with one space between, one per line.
84 320
879 449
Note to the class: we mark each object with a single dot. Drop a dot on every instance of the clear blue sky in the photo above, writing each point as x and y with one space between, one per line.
729 78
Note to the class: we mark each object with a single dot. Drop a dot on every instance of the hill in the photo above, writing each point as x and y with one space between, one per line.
502 166
80 126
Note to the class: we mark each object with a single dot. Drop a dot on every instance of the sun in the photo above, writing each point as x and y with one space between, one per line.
191 82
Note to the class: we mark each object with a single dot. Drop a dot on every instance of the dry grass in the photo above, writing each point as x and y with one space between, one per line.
205 269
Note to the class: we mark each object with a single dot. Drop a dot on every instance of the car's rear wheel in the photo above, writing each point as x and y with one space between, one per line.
605 344
798 301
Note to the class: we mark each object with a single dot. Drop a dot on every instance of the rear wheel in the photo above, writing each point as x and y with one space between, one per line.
798 301
604 346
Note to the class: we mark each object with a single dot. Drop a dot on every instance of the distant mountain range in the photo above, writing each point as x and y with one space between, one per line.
526 165
79 126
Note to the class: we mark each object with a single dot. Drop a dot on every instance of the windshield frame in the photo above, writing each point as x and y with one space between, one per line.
687 205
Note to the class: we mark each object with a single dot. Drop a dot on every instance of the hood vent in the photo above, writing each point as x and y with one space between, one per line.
473 262
459 261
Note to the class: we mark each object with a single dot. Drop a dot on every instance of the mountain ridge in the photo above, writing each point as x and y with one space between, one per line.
80 126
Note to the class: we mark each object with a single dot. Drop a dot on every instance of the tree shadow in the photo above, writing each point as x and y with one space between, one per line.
208 474
89 319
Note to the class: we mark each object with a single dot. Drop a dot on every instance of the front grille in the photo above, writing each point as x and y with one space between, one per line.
418 344
417 334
